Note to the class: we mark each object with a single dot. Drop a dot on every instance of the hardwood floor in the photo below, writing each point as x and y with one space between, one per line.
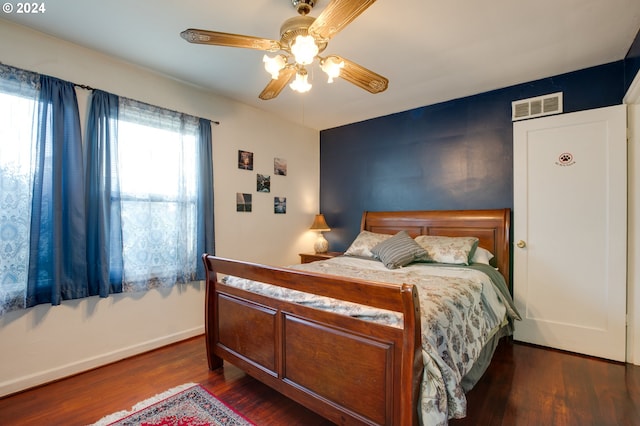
529 385
525 385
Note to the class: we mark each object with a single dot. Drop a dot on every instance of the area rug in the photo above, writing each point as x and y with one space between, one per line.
186 405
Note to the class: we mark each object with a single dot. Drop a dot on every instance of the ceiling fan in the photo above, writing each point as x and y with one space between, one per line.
302 40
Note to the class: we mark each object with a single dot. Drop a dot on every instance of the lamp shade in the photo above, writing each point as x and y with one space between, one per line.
332 66
304 49
319 224
301 83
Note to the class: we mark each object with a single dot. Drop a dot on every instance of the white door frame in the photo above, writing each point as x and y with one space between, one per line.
632 99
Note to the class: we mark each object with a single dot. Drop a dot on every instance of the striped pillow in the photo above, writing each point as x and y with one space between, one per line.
398 251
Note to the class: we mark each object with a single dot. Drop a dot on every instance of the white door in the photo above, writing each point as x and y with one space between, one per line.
570 217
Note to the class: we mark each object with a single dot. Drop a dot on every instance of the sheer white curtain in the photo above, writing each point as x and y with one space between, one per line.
158 175
18 107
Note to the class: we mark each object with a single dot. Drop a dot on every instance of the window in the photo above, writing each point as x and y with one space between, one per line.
157 172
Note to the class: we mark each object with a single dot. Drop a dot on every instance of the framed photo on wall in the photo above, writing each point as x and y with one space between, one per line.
279 166
243 202
263 183
245 160
280 205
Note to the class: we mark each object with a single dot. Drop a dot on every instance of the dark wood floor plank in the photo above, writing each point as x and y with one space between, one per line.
529 385
525 385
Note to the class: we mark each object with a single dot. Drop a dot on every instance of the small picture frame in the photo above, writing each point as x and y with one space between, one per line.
279 166
245 160
280 205
263 183
243 202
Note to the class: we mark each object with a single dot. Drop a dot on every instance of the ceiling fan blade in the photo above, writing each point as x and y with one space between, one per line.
193 35
362 77
274 87
337 15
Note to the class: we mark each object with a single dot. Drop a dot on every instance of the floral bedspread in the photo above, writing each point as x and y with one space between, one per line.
460 308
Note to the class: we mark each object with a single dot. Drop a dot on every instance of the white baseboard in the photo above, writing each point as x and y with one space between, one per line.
46 376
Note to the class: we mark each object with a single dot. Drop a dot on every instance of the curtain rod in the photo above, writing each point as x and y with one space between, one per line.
85 87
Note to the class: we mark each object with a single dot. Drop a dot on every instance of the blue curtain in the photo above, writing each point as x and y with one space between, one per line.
57 249
205 225
104 230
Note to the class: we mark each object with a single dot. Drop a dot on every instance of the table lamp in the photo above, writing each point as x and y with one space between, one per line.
320 225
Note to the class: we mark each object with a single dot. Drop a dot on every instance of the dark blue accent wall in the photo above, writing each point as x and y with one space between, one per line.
453 155
632 62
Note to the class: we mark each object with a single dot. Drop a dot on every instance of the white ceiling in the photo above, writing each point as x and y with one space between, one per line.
430 50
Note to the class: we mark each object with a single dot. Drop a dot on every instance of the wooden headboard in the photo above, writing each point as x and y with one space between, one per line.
490 226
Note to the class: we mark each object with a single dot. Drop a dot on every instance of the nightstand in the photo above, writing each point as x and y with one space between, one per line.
312 257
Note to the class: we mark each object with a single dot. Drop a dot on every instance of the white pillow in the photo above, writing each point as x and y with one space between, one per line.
452 250
482 256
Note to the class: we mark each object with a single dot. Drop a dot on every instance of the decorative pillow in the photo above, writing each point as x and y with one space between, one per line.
398 251
364 242
453 250
482 256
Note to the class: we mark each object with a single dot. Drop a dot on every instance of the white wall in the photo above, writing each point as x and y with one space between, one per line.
633 227
44 343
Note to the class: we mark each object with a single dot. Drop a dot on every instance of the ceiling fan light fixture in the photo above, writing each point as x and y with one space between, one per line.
301 83
274 65
304 49
332 66
303 39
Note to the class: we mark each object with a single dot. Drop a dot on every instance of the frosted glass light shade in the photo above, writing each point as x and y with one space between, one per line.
332 66
304 49
301 83
274 65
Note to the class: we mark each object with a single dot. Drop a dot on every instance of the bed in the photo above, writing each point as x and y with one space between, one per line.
372 367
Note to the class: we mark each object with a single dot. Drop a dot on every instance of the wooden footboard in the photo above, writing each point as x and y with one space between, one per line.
348 370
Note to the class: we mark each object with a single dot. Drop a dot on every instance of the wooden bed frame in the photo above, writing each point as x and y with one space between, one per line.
348 370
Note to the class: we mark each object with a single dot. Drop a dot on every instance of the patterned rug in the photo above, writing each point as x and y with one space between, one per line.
186 405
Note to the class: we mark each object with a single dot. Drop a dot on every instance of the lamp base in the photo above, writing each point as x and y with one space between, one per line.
321 245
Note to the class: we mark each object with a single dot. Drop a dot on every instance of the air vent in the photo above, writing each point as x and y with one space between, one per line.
536 107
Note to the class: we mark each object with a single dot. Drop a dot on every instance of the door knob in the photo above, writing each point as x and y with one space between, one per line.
521 244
